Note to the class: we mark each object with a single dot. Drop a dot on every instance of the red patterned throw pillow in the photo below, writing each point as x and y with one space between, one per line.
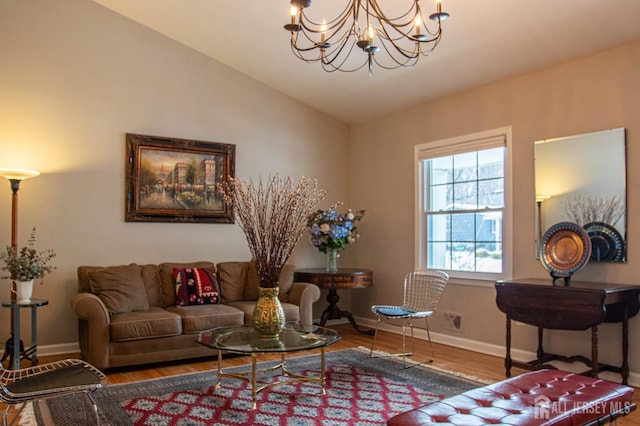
196 286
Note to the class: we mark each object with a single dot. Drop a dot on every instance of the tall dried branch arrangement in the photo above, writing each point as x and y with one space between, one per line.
584 209
273 217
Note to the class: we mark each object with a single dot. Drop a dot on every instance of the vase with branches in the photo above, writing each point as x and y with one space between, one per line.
584 209
273 216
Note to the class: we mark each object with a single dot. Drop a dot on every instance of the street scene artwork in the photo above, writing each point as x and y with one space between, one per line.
175 180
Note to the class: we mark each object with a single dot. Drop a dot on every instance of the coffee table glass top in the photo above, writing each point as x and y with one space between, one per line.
244 339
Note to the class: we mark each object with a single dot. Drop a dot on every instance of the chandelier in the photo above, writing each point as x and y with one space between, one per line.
389 42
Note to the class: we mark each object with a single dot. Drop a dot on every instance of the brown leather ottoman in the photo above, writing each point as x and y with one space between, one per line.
543 397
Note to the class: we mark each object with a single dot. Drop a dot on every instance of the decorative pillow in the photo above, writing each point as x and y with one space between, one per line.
168 279
232 278
196 286
120 288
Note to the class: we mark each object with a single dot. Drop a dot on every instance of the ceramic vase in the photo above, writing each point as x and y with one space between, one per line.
332 260
268 315
24 291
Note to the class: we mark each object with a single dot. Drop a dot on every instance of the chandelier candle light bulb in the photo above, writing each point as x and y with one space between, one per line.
323 31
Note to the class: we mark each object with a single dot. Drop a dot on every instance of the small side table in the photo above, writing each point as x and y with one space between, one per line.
346 278
14 349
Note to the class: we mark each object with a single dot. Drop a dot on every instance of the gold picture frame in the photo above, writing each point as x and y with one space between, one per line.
175 180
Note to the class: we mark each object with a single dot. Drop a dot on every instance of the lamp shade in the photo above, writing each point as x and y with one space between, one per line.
18 174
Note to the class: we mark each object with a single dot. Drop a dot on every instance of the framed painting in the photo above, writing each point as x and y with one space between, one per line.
175 180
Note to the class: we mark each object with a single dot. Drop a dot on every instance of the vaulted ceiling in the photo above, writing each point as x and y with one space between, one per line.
483 41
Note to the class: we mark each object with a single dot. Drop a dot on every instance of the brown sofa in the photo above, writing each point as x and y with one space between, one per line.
127 315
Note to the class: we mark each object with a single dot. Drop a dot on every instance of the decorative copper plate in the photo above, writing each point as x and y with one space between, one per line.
565 249
607 244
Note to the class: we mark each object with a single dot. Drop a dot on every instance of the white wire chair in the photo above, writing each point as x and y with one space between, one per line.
46 381
422 292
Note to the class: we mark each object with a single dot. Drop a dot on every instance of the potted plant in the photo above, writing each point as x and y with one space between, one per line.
273 216
26 265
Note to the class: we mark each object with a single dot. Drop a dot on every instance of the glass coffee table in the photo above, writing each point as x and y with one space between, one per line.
245 340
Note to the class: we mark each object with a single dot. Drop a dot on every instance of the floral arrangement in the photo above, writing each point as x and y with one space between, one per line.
331 230
272 216
28 263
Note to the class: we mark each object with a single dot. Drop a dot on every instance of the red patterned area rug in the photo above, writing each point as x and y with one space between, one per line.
360 391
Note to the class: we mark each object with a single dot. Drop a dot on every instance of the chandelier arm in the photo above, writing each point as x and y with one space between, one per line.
331 67
309 27
385 23
336 53
313 46
345 13
400 29
384 34
409 56
379 14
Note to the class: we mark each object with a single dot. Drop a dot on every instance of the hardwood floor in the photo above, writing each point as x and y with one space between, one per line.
484 367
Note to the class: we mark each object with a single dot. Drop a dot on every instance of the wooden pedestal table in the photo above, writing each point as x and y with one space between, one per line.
343 278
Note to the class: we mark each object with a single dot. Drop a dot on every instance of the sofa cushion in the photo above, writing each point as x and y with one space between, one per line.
151 279
197 318
285 282
196 286
291 311
169 283
154 322
232 278
120 288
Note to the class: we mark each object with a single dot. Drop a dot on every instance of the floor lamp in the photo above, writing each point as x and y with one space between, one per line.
539 201
15 176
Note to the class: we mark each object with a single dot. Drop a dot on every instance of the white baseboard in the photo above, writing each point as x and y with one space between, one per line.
64 348
490 349
420 333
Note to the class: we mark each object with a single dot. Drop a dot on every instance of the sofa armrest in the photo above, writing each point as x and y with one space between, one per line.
94 334
304 295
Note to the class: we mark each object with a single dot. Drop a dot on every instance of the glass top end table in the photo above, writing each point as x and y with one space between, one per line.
245 340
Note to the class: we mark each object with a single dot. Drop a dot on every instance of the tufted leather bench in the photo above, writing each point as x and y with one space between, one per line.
542 397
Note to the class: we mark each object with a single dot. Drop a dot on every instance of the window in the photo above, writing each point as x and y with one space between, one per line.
462 204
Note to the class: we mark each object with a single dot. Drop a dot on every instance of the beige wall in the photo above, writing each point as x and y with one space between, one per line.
594 93
75 77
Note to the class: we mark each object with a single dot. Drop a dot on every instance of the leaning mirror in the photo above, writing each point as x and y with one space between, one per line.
582 179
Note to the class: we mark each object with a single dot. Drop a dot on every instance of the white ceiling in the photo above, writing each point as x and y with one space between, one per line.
483 41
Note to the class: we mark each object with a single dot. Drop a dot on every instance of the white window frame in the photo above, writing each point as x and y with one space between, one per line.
459 144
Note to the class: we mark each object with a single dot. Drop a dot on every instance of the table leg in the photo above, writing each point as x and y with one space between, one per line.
624 369
540 352
507 358
594 351
17 343
34 337
254 381
334 312
322 372
219 369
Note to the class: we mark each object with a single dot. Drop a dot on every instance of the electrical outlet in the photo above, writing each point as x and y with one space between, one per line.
452 321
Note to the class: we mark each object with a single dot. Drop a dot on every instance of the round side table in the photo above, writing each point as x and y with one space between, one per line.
343 278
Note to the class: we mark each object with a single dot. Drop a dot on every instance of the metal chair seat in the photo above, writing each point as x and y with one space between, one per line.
422 292
51 380
398 312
